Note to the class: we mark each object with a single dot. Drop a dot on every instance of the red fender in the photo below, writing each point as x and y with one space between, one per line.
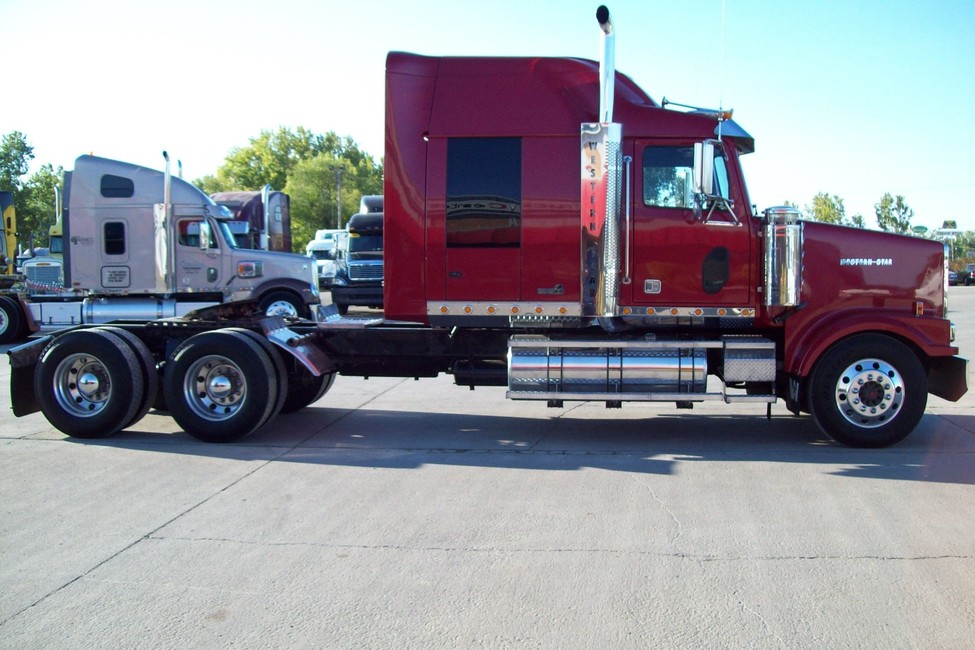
806 344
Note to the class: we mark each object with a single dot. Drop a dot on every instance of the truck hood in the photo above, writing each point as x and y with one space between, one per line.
274 256
857 267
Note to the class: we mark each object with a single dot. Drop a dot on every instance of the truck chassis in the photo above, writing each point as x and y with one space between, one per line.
225 371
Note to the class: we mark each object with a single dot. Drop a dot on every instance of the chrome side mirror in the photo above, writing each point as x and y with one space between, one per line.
205 238
705 197
704 168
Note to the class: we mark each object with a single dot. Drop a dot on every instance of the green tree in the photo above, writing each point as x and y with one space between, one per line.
962 249
827 209
269 158
35 209
304 165
15 157
312 186
893 214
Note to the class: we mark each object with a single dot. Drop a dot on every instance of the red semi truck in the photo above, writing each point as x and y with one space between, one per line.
538 239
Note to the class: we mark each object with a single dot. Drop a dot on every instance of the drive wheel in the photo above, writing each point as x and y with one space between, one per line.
282 303
150 376
305 388
220 386
280 374
86 385
868 391
11 320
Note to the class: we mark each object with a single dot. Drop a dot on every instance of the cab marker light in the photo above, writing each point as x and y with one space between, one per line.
250 269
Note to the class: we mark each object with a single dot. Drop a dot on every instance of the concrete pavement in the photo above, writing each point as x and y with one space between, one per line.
396 513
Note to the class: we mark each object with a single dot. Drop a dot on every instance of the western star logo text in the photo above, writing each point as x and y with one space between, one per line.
866 261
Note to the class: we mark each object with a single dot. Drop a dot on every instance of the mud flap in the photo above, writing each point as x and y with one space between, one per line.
23 363
948 377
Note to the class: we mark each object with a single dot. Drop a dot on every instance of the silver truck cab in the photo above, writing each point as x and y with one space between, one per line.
119 240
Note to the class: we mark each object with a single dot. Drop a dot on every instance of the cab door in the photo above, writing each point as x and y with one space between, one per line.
677 258
197 269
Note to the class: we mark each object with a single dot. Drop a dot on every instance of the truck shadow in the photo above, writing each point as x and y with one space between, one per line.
940 450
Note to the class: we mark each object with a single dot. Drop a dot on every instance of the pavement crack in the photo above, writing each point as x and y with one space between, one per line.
678 526
622 552
764 622
150 535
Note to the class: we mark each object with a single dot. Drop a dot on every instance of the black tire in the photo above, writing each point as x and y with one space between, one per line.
220 386
868 391
11 320
280 374
305 388
342 309
283 303
85 383
159 401
150 375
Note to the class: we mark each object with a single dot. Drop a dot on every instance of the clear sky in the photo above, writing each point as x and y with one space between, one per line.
853 98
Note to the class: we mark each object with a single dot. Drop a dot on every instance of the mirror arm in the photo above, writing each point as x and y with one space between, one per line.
726 204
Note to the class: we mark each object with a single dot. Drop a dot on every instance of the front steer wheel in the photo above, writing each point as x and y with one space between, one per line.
283 303
868 391
220 386
89 383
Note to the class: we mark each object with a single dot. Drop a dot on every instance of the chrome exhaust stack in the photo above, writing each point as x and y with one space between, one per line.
165 236
607 65
167 180
601 175
266 216
783 257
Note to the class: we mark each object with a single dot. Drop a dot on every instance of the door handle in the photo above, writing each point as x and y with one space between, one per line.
627 162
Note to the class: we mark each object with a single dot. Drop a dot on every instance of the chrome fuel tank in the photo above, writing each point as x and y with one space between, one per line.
599 368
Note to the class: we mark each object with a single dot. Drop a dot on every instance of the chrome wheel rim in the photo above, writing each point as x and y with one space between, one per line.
281 308
82 385
869 393
215 388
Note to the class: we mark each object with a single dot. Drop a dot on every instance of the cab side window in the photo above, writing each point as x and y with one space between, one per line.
668 177
189 233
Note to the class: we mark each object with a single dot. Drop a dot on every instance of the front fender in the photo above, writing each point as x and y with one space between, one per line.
808 340
303 289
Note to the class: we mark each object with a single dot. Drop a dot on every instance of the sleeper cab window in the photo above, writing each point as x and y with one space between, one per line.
117 187
114 238
483 192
